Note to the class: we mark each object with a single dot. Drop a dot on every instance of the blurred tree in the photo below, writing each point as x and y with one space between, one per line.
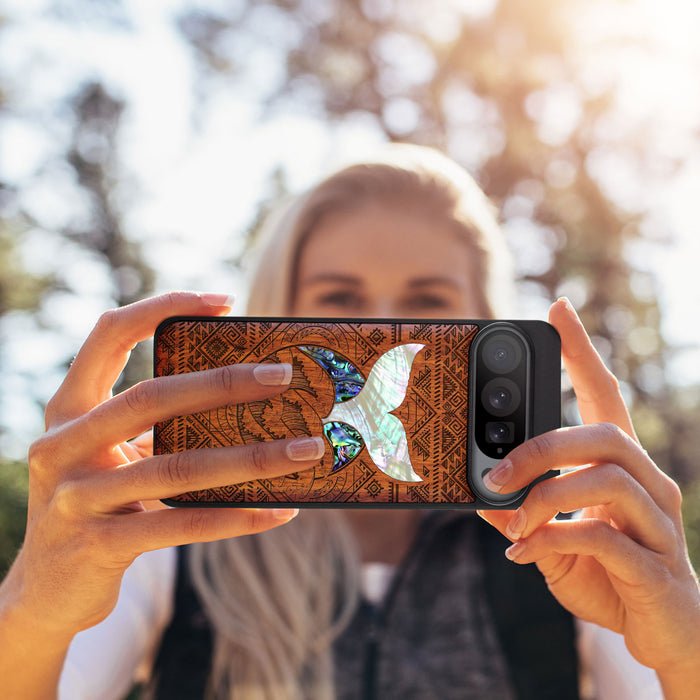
501 87
92 235
93 155
18 291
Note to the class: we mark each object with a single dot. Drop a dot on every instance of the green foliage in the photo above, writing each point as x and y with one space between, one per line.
691 521
14 483
18 289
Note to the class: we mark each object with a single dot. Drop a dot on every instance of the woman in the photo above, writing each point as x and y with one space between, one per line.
411 236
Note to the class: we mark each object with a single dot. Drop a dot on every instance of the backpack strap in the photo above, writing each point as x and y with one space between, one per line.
536 633
183 664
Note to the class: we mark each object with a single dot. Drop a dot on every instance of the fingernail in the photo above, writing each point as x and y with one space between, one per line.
306 448
285 514
499 476
218 299
515 550
517 525
273 374
569 306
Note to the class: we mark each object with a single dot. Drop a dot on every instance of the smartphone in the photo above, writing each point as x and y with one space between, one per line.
413 413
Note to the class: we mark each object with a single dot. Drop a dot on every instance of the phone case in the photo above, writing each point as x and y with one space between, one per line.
391 398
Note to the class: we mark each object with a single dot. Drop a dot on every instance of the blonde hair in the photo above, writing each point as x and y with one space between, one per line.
277 600
416 176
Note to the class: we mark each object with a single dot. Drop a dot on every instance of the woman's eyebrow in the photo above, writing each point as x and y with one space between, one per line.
433 281
332 277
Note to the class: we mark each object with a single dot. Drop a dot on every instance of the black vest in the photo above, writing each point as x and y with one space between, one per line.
417 645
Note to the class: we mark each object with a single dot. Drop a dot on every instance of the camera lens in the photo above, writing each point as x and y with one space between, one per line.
500 396
502 353
499 432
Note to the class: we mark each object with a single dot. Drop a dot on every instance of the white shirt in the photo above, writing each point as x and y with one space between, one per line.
104 661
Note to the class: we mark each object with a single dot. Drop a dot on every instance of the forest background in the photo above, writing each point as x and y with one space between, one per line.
140 143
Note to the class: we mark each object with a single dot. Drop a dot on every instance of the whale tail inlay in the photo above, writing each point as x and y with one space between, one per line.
364 417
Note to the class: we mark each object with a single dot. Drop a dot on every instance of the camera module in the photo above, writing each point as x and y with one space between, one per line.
501 386
505 359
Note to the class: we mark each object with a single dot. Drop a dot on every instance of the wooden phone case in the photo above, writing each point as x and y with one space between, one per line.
333 363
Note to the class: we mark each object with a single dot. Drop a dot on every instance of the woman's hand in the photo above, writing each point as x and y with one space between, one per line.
624 564
88 517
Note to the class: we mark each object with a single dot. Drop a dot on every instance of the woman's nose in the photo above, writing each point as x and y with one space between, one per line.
382 308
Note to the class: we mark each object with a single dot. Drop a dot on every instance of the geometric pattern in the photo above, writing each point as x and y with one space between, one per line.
434 412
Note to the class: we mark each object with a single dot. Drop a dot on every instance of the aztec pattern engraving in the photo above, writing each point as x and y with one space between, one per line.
434 412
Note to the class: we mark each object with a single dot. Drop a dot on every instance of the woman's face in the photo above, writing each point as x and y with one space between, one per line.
385 261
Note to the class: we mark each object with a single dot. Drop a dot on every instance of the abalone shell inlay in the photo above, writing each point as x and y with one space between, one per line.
346 442
347 380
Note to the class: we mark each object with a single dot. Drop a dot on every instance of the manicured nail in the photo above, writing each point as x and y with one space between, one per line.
569 306
306 448
218 300
516 525
499 476
515 550
285 514
273 374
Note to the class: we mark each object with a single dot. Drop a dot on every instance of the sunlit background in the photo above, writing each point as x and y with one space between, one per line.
139 140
